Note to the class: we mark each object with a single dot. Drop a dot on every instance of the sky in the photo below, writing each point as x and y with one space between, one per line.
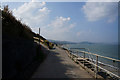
70 21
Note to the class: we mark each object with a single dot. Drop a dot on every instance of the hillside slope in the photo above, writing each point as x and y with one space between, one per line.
19 50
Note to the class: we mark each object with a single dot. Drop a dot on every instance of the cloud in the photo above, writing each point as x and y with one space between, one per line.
85 35
60 0
59 29
102 1
78 34
34 14
60 22
95 11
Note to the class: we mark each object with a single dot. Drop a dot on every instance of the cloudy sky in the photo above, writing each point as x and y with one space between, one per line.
70 21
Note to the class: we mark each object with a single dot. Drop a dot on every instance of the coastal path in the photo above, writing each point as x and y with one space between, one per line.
58 65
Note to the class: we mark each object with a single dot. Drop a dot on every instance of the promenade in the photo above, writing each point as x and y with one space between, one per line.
59 65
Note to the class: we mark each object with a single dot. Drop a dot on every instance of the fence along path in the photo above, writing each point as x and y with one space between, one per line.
96 61
59 65
84 59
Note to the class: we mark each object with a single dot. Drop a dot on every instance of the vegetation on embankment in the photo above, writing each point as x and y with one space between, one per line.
44 41
13 28
19 51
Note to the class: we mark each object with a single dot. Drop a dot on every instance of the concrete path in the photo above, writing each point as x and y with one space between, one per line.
59 65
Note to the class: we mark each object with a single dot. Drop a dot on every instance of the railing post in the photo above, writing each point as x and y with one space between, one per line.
77 53
96 67
84 59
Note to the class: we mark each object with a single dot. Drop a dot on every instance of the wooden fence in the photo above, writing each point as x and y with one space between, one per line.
75 51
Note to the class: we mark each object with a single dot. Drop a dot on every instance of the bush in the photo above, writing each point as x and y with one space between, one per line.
48 44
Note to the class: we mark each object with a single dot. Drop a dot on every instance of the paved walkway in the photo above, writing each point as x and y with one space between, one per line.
59 65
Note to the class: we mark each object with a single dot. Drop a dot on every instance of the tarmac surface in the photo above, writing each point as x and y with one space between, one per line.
59 65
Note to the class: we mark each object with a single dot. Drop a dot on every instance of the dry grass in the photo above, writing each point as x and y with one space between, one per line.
14 28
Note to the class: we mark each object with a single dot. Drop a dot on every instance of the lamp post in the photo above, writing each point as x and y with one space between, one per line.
39 35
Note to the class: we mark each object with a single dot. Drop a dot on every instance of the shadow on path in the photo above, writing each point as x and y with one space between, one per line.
59 65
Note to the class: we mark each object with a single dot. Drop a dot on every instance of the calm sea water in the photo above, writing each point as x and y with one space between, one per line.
108 50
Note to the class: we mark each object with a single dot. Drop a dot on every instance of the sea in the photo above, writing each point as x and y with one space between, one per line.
107 50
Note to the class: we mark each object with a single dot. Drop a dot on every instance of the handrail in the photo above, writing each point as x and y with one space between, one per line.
100 56
96 54
96 64
77 48
104 69
36 38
